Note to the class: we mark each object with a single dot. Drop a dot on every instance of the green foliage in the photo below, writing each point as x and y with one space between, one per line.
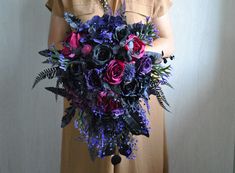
158 70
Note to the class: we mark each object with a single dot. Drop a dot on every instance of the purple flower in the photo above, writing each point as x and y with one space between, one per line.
147 19
144 65
129 72
76 124
117 112
62 62
93 79
103 37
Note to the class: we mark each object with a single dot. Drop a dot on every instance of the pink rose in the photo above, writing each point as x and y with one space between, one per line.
86 49
135 46
74 40
115 71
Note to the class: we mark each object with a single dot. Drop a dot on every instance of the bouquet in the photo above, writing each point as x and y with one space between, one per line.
105 73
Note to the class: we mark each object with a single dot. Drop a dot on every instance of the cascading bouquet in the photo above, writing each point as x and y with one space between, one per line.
105 73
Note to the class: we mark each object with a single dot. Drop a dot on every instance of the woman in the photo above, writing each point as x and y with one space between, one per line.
151 154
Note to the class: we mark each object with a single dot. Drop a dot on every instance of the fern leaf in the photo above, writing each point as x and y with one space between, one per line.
47 73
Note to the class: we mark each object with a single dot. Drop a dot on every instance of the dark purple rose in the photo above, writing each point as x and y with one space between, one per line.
131 89
101 54
93 79
144 65
115 71
135 46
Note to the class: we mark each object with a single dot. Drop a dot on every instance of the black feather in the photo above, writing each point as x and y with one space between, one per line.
163 96
160 101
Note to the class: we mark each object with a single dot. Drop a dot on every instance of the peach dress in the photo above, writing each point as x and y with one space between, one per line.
151 156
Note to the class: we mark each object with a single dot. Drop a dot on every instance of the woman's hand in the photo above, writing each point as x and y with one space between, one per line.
58 31
166 41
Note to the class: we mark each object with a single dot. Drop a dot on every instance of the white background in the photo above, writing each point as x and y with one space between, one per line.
200 129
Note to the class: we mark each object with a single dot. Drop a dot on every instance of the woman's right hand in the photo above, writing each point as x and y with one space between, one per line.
58 31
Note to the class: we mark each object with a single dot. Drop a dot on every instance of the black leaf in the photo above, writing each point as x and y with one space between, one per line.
134 127
58 82
46 53
58 91
46 61
70 112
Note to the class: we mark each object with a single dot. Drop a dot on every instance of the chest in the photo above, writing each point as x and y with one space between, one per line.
136 10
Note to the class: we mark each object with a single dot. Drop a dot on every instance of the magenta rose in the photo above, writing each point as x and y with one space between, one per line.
67 52
74 40
113 104
102 100
107 103
114 72
135 46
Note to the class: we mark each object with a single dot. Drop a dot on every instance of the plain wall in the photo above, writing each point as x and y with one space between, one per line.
200 129
30 133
